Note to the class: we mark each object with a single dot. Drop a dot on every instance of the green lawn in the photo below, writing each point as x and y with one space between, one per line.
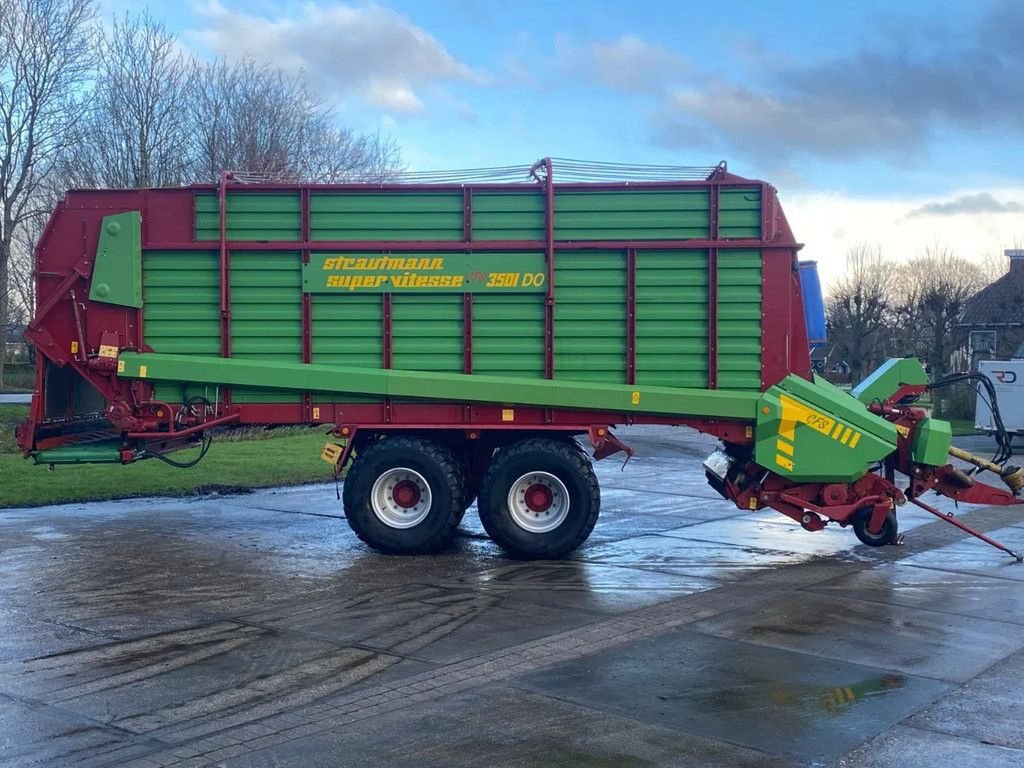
257 459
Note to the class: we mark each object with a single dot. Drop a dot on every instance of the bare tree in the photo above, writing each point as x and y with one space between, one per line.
252 118
138 127
46 50
931 292
857 307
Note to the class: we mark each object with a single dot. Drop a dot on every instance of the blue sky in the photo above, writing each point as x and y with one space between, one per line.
889 122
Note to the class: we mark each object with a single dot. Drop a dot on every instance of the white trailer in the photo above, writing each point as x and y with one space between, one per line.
1008 378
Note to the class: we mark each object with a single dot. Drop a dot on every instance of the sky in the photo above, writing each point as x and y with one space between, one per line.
891 123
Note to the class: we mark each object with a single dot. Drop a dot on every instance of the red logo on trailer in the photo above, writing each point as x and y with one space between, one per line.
1005 377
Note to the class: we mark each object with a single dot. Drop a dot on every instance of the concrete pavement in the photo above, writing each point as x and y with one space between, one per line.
257 631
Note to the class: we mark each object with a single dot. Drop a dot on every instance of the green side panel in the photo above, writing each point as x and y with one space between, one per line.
448 387
887 379
266 315
590 316
814 432
426 332
386 215
636 214
251 216
739 320
508 215
117 272
739 213
508 334
101 452
347 331
932 440
672 318
182 294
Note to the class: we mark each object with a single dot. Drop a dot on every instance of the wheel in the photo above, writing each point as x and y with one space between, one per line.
404 495
539 498
890 528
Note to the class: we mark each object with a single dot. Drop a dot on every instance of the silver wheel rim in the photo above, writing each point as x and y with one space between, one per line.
538 502
400 498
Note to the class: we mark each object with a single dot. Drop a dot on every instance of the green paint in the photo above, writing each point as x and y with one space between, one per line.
739 319
266 316
386 215
632 214
671 318
250 216
590 343
508 334
509 215
815 432
446 387
101 452
932 440
739 213
425 273
426 332
887 379
117 273
182 293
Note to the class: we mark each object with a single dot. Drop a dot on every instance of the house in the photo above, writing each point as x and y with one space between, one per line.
993 319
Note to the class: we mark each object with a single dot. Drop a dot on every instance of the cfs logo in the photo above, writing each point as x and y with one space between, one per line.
1005 377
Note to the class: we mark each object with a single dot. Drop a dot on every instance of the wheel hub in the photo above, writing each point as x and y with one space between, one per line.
401 498
538 502
538 498
406 494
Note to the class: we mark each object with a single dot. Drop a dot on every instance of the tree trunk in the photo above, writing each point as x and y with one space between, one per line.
5 305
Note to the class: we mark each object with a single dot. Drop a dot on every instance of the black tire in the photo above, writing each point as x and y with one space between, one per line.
562 460
890 528
436 466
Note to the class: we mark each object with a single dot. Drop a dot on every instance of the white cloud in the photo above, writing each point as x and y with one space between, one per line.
627 63
369 52
829 224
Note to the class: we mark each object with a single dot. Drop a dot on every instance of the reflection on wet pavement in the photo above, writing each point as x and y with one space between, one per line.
776 701
256 630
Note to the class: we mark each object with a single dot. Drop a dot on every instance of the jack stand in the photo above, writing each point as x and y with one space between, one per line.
951 519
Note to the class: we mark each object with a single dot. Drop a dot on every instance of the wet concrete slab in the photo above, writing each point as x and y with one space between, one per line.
429 623
961 594
969 555
775 701
989 708
913 748
892 637
506 727
196 680
768 529
38 735
593 588
690 557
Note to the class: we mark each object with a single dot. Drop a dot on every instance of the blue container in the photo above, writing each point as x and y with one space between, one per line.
814 304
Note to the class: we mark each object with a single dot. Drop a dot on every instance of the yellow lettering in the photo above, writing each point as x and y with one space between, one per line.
329 263
457 281
437 264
